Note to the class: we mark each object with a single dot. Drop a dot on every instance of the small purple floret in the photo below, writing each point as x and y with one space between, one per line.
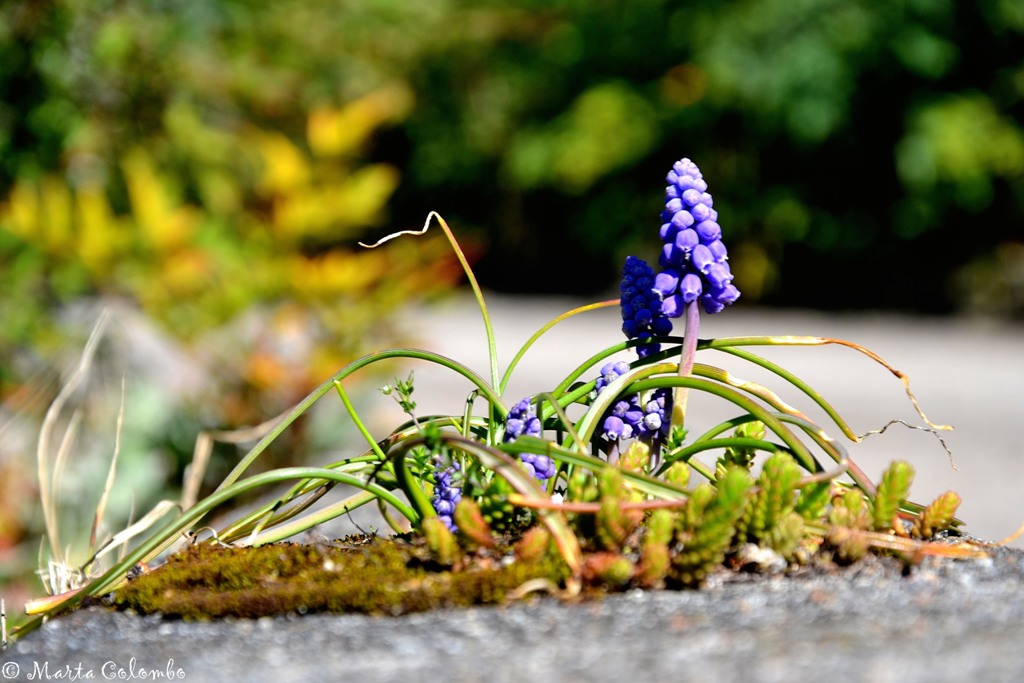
709 231
719 276
687 239
666 282
690 288
614 429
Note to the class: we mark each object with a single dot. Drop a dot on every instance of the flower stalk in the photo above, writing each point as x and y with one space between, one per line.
686 360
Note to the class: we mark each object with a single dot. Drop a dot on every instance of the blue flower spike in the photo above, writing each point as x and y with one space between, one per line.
693 252
641 303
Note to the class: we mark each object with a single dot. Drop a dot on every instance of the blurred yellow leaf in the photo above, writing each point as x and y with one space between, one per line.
337 272
337 131
97 232
21 214
284 165
330 210
360 200
163 225
56 204
42 214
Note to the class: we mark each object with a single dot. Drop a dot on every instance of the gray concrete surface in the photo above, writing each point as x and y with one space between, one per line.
947 621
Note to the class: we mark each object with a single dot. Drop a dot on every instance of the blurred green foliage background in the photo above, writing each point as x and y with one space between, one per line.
202 161
839 138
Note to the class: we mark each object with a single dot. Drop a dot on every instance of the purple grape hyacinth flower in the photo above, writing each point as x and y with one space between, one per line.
446 494
693 254
522 419
641 304
657 416
620 418
609 373
618 422
629 418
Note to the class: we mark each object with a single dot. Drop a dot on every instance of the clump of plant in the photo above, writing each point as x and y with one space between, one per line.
601 468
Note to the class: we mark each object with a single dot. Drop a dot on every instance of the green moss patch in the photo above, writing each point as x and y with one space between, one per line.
366 575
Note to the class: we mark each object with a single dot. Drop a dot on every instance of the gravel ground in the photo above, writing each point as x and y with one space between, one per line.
948 620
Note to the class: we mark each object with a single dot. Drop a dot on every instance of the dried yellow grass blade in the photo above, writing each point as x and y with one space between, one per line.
158 511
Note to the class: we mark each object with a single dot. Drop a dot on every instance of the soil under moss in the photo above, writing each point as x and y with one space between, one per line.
360 574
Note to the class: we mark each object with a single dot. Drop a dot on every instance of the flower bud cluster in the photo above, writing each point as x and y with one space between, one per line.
522 419
446 494
694 259
641 306
629 417
657 414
